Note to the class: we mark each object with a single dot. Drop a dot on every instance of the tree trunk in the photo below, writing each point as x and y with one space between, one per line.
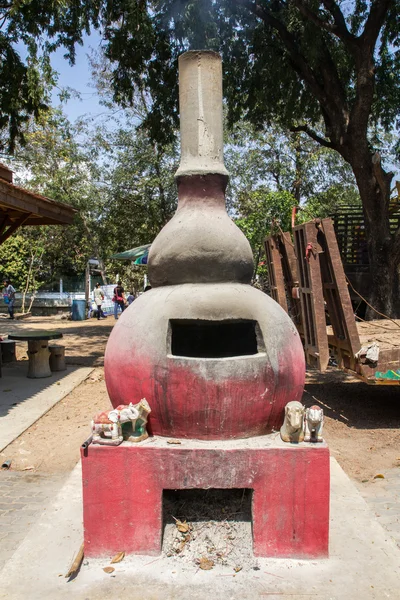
382 245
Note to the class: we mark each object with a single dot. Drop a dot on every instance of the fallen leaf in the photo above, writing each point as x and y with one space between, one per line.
183 543
28 468
237 569
108 569
206 564
8 390
379 476
118 557
182 527
174 442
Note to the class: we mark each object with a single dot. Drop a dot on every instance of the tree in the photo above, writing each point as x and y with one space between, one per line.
263 212
21 257
285 161
29 32
137 170
53 164
325 68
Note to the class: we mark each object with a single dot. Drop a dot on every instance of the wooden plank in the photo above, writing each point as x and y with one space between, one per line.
275 274
337 297
311 295
12 197
291 277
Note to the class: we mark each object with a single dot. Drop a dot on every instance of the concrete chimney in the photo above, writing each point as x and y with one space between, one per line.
201 116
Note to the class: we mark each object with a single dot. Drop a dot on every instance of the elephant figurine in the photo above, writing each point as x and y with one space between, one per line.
292 429
313 424
108 426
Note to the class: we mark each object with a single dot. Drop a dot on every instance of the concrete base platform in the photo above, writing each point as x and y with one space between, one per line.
23 401
289 483
364 562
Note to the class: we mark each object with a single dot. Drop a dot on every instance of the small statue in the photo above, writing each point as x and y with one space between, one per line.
109 427
292 429
313 424
138 432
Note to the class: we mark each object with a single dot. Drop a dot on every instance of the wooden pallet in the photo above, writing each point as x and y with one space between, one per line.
313 268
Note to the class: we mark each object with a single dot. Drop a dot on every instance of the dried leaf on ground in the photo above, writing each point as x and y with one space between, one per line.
174 442
237 569
118 557
183 543
379 476
108 569
206 564
183 527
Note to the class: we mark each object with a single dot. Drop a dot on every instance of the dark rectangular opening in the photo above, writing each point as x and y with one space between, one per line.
217 525
214 339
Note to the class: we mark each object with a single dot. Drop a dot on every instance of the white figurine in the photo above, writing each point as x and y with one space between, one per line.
313 424
292 429
107 425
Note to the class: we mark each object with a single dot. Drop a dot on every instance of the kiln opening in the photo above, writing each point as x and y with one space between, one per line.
214 339
219 520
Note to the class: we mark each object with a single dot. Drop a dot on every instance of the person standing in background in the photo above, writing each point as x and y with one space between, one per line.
98 295
118 299
9 297
131 297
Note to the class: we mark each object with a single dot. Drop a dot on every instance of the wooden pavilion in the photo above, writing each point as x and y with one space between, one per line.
20 207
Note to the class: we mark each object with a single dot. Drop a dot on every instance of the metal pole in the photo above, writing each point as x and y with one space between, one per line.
87 283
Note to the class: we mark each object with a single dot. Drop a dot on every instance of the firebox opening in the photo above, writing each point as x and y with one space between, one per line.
214 339
212 523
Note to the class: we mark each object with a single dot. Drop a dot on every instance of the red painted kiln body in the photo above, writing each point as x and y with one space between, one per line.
205 398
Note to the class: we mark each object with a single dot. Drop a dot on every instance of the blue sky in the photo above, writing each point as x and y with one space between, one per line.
77 77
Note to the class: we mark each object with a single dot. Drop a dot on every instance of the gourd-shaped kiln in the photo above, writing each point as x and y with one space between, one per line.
214 357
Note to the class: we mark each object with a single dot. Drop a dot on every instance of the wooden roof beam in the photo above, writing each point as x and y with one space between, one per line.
15 198
13 227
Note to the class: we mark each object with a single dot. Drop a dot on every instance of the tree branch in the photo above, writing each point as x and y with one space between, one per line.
338 28
340 22
374 24
322 141
299 62
365 65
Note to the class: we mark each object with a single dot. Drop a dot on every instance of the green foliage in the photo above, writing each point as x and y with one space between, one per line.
21 257
14 257
264 212
285 161
290 63
52 163
30 32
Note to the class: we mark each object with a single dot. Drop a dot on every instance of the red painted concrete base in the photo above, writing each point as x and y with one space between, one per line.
123 486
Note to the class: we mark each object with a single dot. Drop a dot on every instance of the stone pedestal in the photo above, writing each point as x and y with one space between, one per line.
57 358
38 353
123 489
7 351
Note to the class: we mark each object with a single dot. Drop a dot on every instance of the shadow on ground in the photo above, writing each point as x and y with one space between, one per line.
353 402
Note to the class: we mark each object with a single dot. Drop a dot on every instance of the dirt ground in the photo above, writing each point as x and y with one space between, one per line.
361 422
84 341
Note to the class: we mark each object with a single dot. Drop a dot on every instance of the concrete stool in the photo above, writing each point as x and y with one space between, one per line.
57 358
38 353
7 351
